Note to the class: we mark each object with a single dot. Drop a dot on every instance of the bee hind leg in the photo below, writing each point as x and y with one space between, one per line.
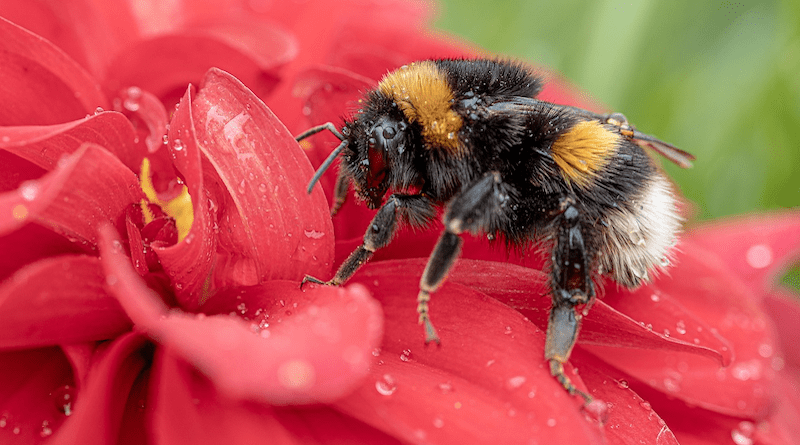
571 285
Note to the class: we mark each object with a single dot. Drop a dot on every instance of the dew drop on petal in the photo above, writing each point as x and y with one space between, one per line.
29 190
46 431
680 327
437 422
445 387
597 410
406 355
743 433
622 384
759 256
551 422
515 382
313 234
386 386
3 421
177 144
63 398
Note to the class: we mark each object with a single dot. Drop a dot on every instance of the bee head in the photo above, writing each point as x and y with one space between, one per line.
372 148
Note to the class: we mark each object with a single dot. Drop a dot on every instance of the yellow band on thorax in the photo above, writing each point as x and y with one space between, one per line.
424 96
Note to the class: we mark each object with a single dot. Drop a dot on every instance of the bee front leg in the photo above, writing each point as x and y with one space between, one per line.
571 285
417 209
471 211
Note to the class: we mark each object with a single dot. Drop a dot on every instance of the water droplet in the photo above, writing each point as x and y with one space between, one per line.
743 433
376 352
386 386
46 430
242 308
515 382
406 355
165 139
29 190
177 144
16 430
765 350
313 234
759 256
671 385
655 298
437 422
666 332
98 110
622 384
3 421
445 387
646 406
680 327
597 410
262 188
551 422
63 398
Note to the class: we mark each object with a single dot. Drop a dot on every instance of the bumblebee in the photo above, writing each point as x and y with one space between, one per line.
470 136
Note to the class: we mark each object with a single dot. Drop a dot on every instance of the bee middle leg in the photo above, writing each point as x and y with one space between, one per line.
571 285
472 210
416 209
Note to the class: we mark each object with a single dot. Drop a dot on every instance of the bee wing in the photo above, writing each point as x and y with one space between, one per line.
529 105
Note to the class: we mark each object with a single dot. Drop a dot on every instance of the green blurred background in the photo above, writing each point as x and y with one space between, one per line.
718 79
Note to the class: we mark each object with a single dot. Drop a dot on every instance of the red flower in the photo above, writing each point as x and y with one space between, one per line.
123 320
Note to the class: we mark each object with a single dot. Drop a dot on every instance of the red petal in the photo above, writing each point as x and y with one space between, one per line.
630 418
703 286
30 243
315 355
35 383
783 308
755 248
41 85
166 64
45 145
67 199
188 411
89 31
276 229
487 383
190 262
101 404
58 300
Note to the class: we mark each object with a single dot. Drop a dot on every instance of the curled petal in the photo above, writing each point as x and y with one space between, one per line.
45 145
36 395
316 352
101 403
270 228
41 85
67 199
190 262
58 300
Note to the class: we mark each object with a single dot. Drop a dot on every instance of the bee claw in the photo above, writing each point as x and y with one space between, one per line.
310 279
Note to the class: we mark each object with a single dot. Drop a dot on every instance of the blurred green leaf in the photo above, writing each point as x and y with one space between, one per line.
718 79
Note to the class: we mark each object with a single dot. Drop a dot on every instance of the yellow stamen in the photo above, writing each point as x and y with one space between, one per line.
180 208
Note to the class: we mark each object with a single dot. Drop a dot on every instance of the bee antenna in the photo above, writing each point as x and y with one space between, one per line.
322 168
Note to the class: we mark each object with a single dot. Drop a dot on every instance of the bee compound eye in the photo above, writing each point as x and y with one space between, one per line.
389 132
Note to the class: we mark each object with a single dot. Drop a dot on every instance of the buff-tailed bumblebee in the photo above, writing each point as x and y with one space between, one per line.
471 136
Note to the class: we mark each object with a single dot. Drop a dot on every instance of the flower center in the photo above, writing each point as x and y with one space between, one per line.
179 208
